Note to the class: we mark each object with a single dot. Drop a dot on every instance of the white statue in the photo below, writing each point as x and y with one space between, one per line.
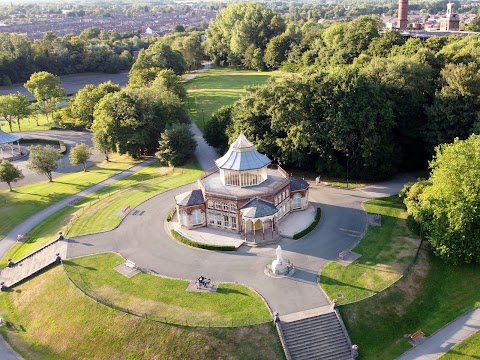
279 254
279 266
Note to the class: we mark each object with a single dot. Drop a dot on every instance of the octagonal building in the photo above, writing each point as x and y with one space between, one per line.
245 194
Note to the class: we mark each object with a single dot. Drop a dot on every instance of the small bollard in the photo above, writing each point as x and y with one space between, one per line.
334 304
276 316
10 263
355 351
58 258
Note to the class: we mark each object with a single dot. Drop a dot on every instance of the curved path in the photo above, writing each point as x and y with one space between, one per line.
144 240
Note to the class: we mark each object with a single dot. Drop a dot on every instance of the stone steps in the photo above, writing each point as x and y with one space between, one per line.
33 263
317 337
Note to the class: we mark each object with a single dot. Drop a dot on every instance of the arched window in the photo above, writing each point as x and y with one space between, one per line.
183 217
210 204
297 201
197 217
283 195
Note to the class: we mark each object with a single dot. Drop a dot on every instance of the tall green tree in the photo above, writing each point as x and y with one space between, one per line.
43 160
176 145
446 207
21 108
6 109
9 173
46 89
80 154
238 27
81 106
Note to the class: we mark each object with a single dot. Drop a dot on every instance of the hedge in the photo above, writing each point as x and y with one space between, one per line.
170 214
189 242
60 143
311 227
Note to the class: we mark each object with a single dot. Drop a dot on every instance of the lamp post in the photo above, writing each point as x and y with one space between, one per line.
347 168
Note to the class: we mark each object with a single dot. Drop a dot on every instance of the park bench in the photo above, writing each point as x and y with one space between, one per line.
130 264
417 335
344 254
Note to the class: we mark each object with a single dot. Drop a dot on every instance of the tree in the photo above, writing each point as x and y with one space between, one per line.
46 89
446 207
43 160
9 173
215 131
82 105
21 107
79 154
101 143
176 145
6 109
160 55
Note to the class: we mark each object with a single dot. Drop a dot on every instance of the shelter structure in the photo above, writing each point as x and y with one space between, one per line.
8 139
246 194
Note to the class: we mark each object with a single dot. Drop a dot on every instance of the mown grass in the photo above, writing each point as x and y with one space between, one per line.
428 297
163 298
219 87
28 124
386 251
105 214
101 210
25 201
467 349
48 318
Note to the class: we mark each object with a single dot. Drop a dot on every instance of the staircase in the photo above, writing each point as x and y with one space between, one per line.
317 337
33 263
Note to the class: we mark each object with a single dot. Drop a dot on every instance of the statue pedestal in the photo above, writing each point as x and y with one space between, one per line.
279 267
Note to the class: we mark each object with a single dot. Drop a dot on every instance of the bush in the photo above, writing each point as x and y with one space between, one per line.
189 242
170 214
61 144
311 227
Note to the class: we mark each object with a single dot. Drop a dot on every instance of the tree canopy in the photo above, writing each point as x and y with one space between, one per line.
43 160
176 145
9 173
446 206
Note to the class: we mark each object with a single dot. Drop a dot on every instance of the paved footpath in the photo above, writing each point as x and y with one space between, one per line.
11 238
444 339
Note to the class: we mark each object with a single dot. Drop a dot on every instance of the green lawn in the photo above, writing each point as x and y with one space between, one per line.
49 318
99 211
105 214
467 349
218 87
431 295
27 200
29 124
386 251
163 298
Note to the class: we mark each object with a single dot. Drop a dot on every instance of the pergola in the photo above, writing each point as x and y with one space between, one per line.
8 139
256 210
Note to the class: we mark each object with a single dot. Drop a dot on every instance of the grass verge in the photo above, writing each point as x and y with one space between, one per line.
48 318
105 214
27 200
386 251
429 296
467 349
219 87
312 226
101 211
166 299
189 242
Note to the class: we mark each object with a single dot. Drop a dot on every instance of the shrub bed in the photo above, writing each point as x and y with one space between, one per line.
60 143
311 227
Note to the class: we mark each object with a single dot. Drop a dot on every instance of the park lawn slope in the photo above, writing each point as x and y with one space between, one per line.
429 296
100 210
49 318
386 251
467 349
166 299
27 200
106 213
218 87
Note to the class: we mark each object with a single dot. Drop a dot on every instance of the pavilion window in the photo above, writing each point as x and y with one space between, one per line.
233 222
210 204
218 205
297 201
197 217
211 217
233 207
225 207
218 219
225 221
183 217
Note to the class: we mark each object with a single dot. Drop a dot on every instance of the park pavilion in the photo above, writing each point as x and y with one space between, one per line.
246 194
9 140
